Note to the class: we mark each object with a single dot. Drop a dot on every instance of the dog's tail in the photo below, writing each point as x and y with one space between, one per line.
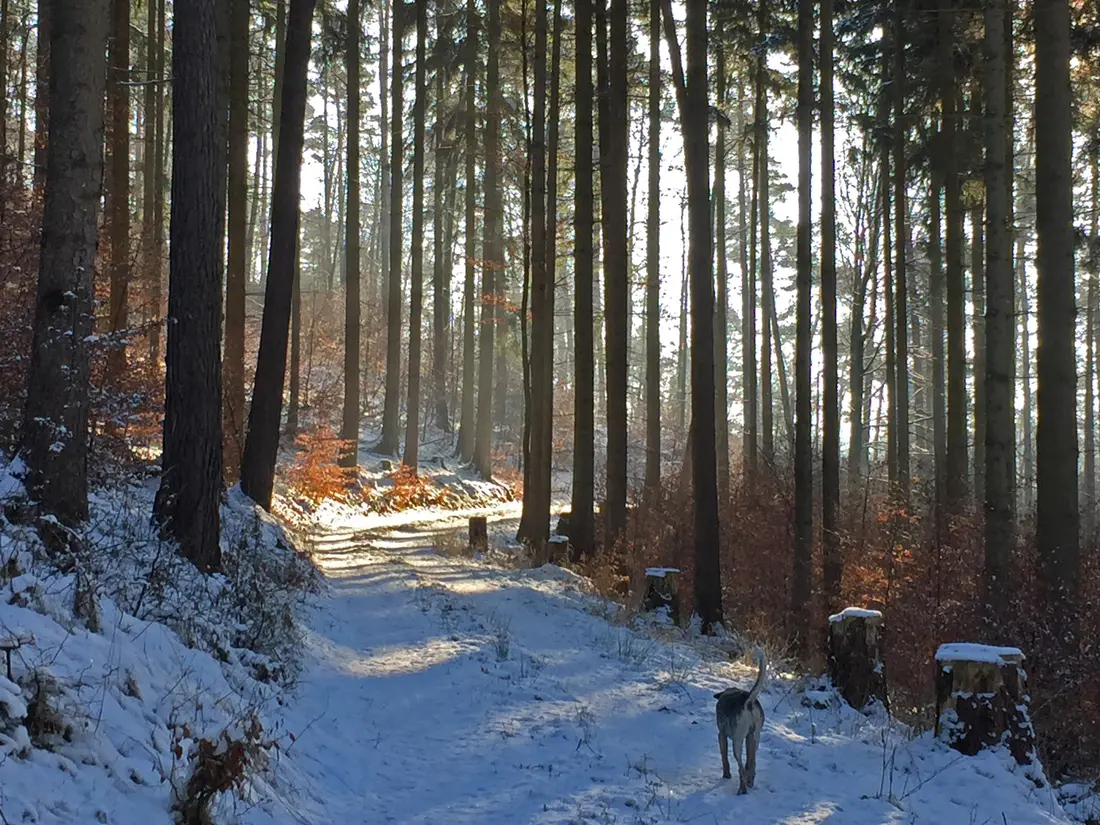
761 676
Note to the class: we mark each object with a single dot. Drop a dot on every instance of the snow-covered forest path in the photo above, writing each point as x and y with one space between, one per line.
444 690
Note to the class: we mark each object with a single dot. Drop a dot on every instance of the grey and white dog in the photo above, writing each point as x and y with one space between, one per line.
741 718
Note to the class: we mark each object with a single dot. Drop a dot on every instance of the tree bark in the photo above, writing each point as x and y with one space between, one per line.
42 81
416 292
118 192
188 502
1000 432
233 414
55 423
1057 528
469 305
349 429
900 319
721 332
653 259
441 276
262 442
581 527
830 440
390 441
803 469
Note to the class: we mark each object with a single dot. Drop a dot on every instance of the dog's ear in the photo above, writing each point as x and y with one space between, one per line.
718 695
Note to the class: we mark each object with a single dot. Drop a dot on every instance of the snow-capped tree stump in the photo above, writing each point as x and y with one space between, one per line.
479 534
563 524
981 700
662 589
558 550
855 656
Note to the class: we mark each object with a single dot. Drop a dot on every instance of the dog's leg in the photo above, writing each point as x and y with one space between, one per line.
752 742
723 747
742 788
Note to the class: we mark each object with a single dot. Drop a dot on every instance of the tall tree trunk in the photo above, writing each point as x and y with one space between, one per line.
694 111
653 259
935 299
389 443
118 193
721 331
156 274
1000 308
55 422
977 276
261 445
901 235
616 264
385 185
43 45
188 501
233 415
24 51
441 276
893 97
1057 528
5 33
416 292
349 429
803 469
494 253
150 193
469 307
767 302
830 441
1091 332
581 527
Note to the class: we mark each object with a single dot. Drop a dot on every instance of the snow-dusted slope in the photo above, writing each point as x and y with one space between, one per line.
446 691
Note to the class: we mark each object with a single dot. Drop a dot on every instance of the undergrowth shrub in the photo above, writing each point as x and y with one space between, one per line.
314 474
926 577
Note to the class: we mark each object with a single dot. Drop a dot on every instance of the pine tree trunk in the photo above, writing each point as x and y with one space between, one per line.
935 299
43 43
55 423
616 264
892 99
803 469
390 441
384 156
349 430
441 276
118 193
691 93
1057 528
1093 259
977 276
721 332
767 301
188 502
5 30
24 51
156 274
262 442
467 424
494 253
901 235
233 415
1000 435
581 527
416 292
653 259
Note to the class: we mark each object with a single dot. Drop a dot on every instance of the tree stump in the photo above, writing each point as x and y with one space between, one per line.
558 550
563 524
387 465
981 700
855 656
662 589
479 534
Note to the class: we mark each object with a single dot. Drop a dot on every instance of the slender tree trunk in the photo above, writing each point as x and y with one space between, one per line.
721 331
469 311
494 253
939 396
977 276
1057 528
803 469
385 184
5 33
262 442
43 44
188 501
156 274
349 430
767 303
653 258
1000 435
233 414
55 422
441 277
1091 332
830 461
390 441
901 312
118 193
24 51
616 265
416 296
581 527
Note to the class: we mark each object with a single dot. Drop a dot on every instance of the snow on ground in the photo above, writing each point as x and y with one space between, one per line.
435 688
444 690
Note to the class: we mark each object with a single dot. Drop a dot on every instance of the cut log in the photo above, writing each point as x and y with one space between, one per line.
662 589
855 656
982 701
479 534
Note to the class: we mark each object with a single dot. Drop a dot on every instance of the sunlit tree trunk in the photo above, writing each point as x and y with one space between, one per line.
349 429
